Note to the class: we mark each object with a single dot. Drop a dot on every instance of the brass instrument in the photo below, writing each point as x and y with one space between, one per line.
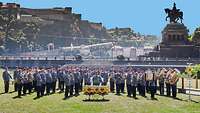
149 75
168 75
162 72
161 75
174 78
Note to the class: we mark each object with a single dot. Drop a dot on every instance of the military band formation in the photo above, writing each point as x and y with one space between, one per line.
71 79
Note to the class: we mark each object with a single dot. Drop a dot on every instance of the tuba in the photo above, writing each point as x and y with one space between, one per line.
161 75
168 76
174 78
149 75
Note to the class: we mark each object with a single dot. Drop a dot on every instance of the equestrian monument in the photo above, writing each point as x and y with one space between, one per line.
175 42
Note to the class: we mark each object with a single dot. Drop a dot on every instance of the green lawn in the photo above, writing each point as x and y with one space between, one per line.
117 104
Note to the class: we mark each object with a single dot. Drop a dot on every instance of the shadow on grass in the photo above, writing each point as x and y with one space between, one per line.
2 93
194 101
7 92
96 100
16 97
60 92
12 92
119 94
177 99
132 97
67 98
190 101
181 99
36 98
153 99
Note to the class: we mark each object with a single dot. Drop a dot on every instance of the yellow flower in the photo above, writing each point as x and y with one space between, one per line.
91 90
189 70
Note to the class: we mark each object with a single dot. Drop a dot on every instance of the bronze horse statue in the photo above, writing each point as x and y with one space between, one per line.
174 14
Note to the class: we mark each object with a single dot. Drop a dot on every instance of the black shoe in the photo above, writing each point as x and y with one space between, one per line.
19 96
135 98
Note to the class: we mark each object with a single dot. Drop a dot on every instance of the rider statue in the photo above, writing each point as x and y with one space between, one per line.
174 14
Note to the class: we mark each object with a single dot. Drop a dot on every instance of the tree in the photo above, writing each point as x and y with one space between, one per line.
13 31
9 26
195 37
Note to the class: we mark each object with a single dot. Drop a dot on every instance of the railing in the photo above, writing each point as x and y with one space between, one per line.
36 58
106 59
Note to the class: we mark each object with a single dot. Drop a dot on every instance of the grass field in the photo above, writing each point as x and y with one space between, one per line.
117 104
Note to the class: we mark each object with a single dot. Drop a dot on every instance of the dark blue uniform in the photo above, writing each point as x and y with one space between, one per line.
118 83
48 82
128 83
16 73
152 86
6 78
67 84
54 80
77 82
19 82
134 83
25 83
105 77
71 84
161 83
38 84
43 77
112 82
60 80
30 82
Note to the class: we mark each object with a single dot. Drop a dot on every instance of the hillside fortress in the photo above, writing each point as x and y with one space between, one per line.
56 23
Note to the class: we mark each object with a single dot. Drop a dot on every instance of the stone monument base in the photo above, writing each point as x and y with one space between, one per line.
175 43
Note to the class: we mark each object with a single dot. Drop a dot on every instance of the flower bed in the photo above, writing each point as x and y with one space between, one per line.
96 90
92 90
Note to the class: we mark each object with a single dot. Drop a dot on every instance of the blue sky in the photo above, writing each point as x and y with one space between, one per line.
144 16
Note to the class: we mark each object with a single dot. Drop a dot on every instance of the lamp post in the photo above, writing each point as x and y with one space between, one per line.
71 49
72 45
190 81
197 84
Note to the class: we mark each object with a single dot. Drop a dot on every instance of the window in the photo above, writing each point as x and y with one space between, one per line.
169 36
174 37
178 37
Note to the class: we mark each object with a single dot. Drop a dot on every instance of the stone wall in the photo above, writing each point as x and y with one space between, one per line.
60 26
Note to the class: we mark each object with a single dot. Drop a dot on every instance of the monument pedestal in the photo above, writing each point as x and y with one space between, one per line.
175 34
175 43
